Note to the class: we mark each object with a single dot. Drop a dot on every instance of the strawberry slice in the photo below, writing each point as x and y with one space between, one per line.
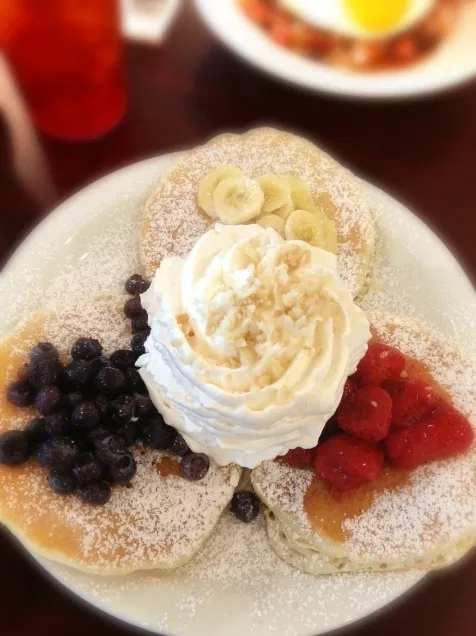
344 462
412 400
350 388
366 414
443 433
299 457
379 364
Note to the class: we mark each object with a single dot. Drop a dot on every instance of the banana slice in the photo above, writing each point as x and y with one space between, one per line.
330 234
274 221
300 191
237 200
208 186
277 192
315 229
310 206
285 210
328 226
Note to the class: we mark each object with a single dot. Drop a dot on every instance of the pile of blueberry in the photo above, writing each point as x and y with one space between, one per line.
90 412
133 309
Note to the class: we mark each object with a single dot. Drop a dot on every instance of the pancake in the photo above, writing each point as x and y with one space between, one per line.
306 558
424 518
159 522
172 221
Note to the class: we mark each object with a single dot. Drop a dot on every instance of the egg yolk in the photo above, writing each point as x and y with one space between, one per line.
377 16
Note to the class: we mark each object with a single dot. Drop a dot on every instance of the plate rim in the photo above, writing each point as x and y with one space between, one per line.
45 225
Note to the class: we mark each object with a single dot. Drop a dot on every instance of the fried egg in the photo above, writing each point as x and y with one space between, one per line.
369 19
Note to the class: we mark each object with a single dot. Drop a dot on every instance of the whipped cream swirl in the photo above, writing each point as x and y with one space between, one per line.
252 339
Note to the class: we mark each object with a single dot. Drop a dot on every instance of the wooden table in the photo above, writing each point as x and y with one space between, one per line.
423 152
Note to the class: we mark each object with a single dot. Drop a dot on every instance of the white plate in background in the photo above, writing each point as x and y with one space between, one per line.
453 63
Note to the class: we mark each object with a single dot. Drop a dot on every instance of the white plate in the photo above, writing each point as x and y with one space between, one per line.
258 594
452 64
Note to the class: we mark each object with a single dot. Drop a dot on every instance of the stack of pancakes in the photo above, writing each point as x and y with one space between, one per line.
163 520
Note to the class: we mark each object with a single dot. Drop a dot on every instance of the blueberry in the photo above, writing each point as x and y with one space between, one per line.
48 400
105 408
97 433
138 341
110 380
123 358
14 448
61 483
60 453
70 400
157 434
123 470
136 284
179 446
45 372
77 373
144 405
36 431
140 324
109 449
85 416
20 394
99 363
194 466
58 424
23 375
128 432
97 494
245 505
86 349
134 382
123 409
88 469
43 350
133 308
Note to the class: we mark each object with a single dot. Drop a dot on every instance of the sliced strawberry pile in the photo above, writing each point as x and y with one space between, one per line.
442 433
366 414
411 399
350 387
383 414
345 462
379 364
300 457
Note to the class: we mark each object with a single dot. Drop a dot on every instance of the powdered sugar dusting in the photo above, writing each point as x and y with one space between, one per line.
285 487
102 319
108 260
239 561
255 586
173 224
411 276
438 506
158 522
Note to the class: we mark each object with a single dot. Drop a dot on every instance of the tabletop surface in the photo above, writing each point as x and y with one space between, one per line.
181 93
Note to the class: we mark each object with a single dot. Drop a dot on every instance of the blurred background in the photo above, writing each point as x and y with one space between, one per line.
88 87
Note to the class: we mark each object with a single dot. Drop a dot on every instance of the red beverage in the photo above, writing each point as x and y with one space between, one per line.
67 56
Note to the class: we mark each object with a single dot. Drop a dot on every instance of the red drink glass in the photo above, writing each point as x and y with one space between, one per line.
67 56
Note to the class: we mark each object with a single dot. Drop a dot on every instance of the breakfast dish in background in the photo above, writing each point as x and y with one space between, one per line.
357 34
130 423
356 48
